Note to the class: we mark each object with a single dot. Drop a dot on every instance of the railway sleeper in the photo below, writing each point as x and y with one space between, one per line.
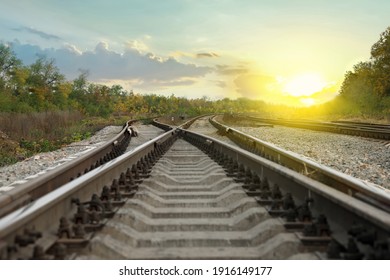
313 232
310 227
90 216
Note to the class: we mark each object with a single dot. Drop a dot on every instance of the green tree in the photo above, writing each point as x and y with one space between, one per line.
368 84
380 56
43 83
8 64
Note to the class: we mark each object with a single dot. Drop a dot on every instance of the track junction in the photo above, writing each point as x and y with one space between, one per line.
186 195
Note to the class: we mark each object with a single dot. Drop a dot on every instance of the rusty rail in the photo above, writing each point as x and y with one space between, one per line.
334 217
51 180
337 180
45 213
376 131
343 213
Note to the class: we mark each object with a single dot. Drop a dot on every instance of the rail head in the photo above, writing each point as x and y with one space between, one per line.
342 209
54 178
349 128
163 126
184 125
46 211
343 182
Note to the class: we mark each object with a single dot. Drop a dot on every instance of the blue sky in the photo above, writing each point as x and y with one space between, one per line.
194 48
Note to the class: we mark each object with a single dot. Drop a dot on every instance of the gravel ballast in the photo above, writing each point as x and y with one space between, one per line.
363 158
366 159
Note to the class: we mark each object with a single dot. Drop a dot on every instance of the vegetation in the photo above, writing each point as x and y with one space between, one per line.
366 90
364 94
23 135
40 110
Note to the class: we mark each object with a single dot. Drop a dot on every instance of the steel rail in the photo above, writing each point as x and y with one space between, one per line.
356 129
45 212
184 125
337 180
342 211
49 181
362 124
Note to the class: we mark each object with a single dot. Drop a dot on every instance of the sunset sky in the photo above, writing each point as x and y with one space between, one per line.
292 52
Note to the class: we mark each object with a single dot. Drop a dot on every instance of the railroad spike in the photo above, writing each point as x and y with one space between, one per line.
95 203
64 230
276 193
319 227
288 202
115 186
304 213
240 174
79 231
81 216
290 215
94 217
255 184
248 178
106 194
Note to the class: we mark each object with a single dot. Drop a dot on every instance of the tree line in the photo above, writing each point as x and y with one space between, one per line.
40 87
367 86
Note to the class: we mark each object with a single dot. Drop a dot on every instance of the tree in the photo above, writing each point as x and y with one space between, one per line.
8 62
368 84
380 56
43 83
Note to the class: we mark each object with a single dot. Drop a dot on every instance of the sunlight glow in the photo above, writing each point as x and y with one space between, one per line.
308 101
304 84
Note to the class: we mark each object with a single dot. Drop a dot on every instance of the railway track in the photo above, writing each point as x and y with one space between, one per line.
369 130
184 195
37 186
337 180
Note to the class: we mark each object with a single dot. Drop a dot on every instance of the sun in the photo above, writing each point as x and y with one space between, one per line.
304 84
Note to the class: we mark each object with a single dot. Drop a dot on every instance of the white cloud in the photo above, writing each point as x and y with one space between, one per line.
105 64
73 48
136 45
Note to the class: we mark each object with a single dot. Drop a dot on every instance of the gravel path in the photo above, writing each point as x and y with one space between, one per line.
366 159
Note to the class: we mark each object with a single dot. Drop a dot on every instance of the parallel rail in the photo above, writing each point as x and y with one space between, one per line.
337 180
41 185
51 180
348 219
343 213
368 130
45 213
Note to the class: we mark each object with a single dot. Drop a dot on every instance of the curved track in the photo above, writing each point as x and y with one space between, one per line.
37 186
370 130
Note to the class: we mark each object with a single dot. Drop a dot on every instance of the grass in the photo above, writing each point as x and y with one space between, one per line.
23 135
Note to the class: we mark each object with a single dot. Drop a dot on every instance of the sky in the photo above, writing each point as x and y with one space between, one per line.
292 52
